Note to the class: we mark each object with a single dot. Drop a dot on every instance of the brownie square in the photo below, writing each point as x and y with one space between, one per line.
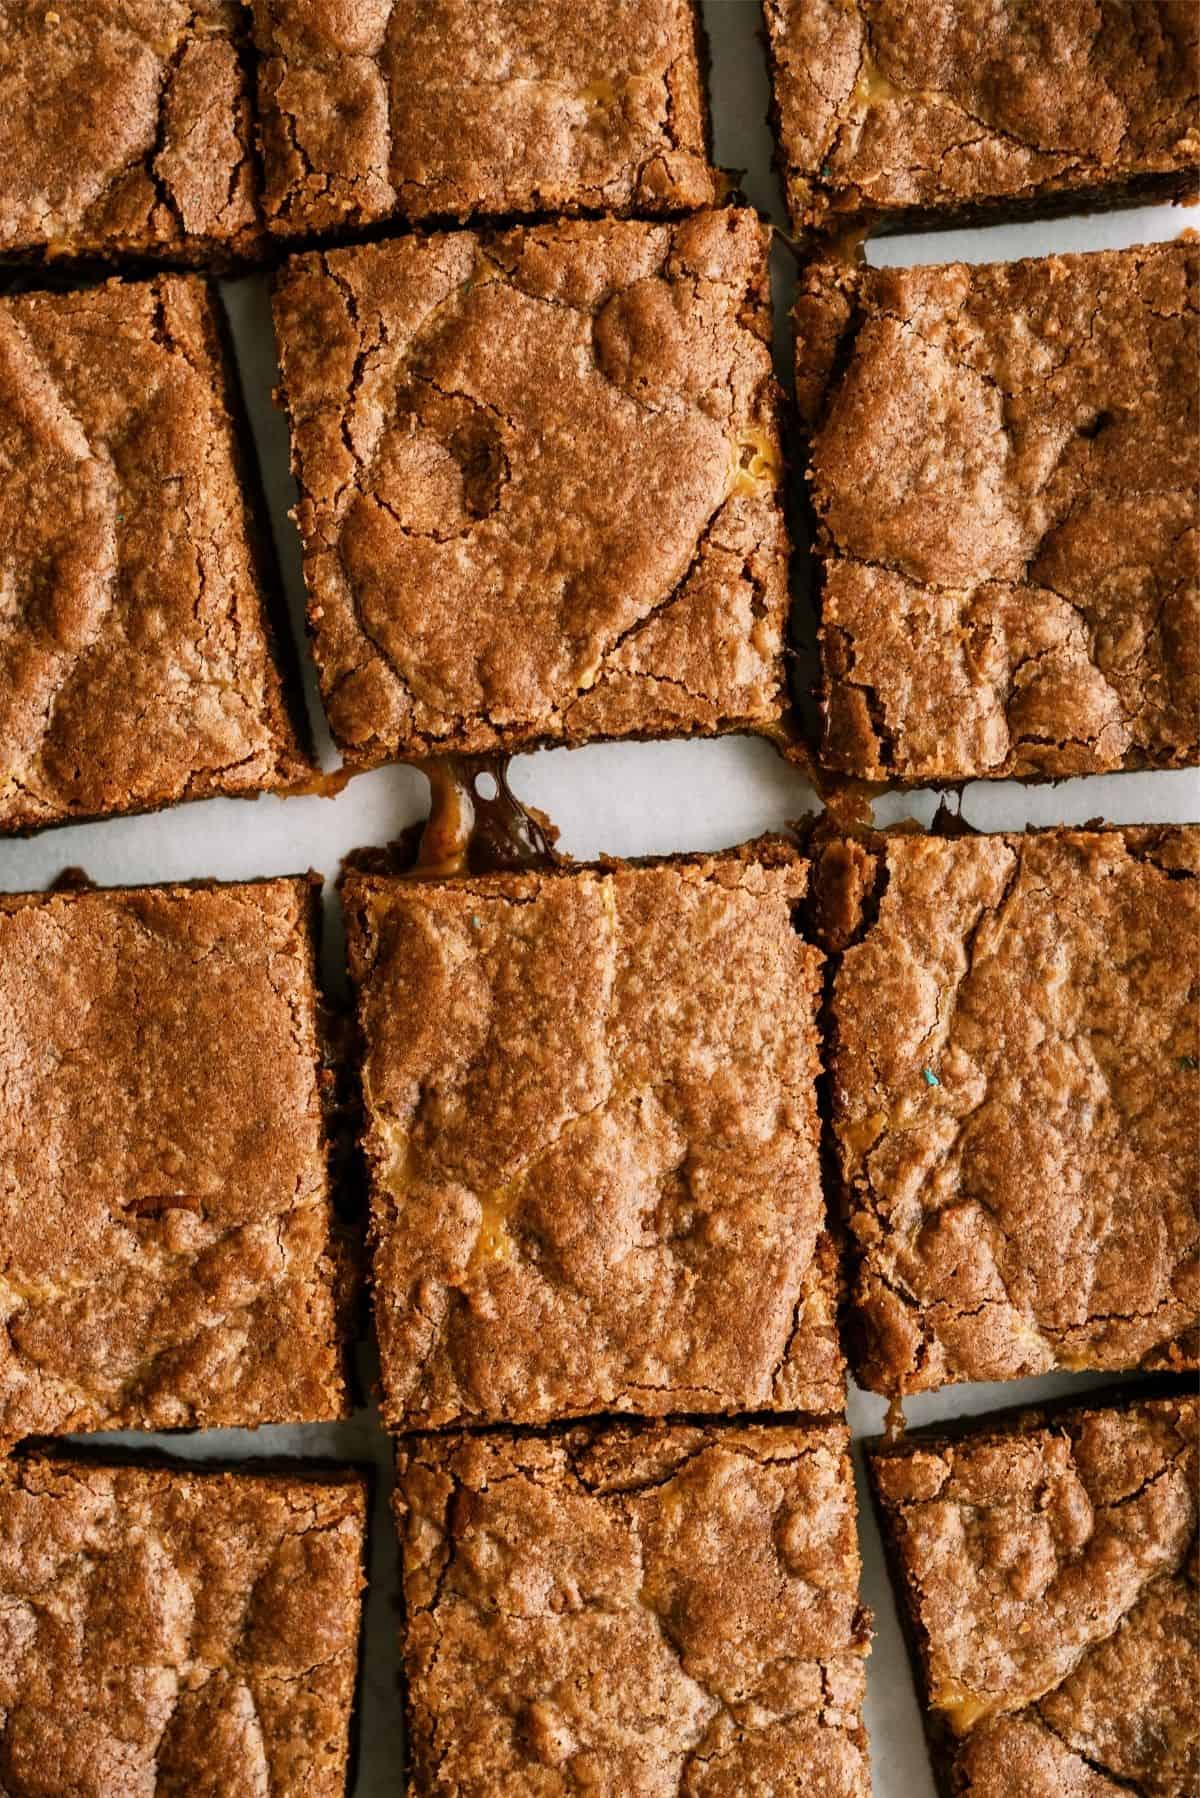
125 131
592 1136
540 484
898 115
175 1631
136 657
1004 471
671 1610
457 107
170 1258
1014 1062
1047 1566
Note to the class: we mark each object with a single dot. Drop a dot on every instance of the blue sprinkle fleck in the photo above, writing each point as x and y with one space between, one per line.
931 1078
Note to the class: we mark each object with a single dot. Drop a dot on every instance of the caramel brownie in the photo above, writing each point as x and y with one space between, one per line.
1014 1066
592 1135
1047 1565
125 130
540 484
170 1255
665 1610
173 1631
1004 471
502 106
899 115
136 654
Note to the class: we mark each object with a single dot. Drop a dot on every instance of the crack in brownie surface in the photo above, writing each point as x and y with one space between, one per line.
540 484
1004 469
592 1134
1015 1091
672 1613
136 658
168 1258
172 1632
125 130
931 114
1049 1570
506 106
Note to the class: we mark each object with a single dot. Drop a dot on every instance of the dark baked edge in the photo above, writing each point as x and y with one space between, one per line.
1011 1420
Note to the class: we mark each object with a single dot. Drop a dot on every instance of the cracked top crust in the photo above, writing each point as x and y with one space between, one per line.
592 1135
1049 1571
493 106
125 130
136 662
957 109
166 1255
1016 1102
540 483
176 1633
1004 470
671 1613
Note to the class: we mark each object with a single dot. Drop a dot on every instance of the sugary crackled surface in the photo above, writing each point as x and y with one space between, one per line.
125 129
1005 474
500 106
662 1614
165 1633
165 1230
957 106
135 661
1017 1106
1050 1573
540 483
592 1135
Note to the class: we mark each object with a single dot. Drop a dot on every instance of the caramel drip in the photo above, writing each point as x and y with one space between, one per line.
469 832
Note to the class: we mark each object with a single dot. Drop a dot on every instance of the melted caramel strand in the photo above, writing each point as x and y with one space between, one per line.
468 832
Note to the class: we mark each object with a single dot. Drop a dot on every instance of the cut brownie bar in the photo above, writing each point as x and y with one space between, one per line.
125 130
1004 471
1048 1569
1014 1067
900 115
136 660
505 106
174 1631
540 484
169 1253
592 1136
663 1611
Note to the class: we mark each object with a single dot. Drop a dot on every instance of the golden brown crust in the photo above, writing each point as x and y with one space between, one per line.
1004 470
125 130
500 107
592 1135
164 1197
1014 1068
136 664
540 484
1048 1566
954 109
175 1632
672 1612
